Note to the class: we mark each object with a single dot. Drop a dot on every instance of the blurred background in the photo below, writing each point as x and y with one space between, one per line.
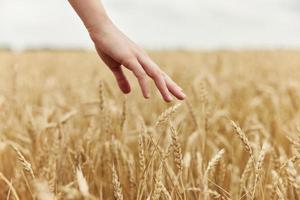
157 24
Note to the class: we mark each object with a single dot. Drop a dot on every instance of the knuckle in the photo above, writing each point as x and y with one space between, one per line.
140 74
127 60
155 73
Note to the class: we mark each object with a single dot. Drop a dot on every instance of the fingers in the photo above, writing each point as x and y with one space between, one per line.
141 66
157 77
163 82
162 87
115 67
174 88
121 80
140 74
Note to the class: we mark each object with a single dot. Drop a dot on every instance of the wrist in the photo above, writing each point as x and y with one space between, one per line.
100 29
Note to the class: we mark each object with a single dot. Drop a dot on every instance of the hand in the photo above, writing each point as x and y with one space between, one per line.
118 51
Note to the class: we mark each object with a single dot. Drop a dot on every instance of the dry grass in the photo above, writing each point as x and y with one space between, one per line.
62 136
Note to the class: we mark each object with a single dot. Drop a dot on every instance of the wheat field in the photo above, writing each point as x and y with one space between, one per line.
67 132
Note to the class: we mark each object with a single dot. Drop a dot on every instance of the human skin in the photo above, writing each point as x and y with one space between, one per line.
117 51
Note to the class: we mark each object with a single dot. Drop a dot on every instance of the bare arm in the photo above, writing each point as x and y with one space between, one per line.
118 51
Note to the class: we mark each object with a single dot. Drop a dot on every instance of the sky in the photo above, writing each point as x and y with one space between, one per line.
157 24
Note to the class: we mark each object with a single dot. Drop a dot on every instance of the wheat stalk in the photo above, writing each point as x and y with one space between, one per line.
166 192
124 114
246 173
192 113
10 186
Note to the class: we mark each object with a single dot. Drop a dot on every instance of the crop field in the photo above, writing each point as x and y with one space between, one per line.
67 132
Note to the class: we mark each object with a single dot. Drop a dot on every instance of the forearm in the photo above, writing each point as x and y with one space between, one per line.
92 13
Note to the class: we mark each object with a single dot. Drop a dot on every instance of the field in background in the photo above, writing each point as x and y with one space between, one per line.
67 132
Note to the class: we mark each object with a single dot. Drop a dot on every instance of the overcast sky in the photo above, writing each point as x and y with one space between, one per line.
156 24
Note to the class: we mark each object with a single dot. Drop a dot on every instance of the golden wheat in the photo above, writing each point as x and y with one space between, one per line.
63 136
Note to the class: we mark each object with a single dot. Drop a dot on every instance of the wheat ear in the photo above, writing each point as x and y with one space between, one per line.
26 165
116 184
101 96
164 117
259 165
243 138
176 149
142 160
211 166
82 183
214 161
158 184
